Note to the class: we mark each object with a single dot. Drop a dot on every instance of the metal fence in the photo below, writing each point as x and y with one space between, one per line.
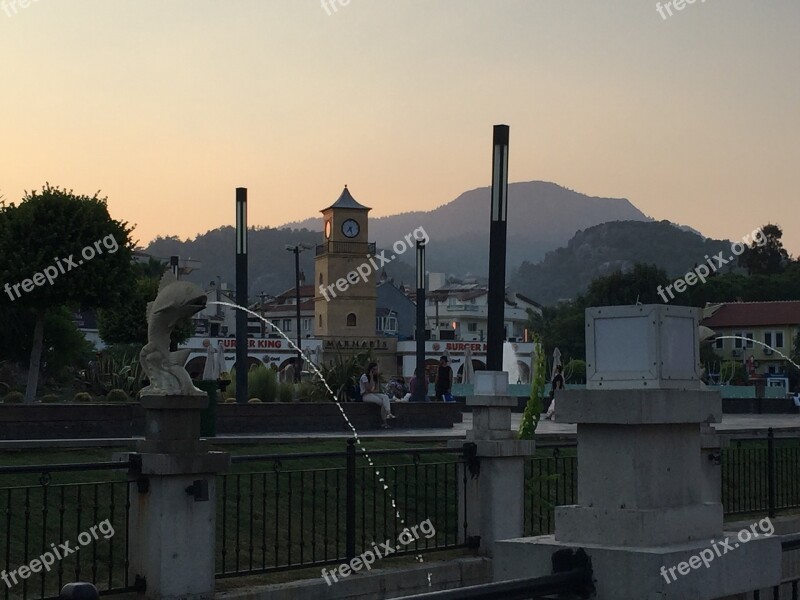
759 476
551 479
288 511
301 510
47 513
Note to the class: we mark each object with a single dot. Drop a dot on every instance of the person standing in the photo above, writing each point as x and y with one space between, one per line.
370 392
557 384
444 379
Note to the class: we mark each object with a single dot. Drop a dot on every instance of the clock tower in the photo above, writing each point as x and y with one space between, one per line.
344 304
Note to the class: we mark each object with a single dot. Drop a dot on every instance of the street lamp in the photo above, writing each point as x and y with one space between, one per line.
241 295
297 249
497 251
422 391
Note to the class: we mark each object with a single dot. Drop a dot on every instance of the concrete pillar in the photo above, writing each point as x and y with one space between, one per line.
172 529
495 499
649 514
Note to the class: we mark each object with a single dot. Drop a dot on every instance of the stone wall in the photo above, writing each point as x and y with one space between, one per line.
66 421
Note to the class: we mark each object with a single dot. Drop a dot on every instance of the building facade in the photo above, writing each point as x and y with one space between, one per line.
756 334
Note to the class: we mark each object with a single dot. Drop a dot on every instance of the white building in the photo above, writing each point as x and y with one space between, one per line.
459 312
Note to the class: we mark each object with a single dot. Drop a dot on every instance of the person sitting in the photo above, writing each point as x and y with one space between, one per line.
370 392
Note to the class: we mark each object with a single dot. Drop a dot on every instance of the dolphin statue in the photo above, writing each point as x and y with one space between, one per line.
175 300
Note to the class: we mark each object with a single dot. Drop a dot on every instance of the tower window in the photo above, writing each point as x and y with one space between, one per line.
320 278
320 320
351 320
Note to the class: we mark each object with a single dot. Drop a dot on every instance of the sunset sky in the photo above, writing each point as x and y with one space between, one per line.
168 106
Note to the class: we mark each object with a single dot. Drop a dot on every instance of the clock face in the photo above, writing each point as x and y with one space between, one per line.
327 229
350 228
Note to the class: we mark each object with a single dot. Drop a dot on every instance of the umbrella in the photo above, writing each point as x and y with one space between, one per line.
318 356
556 362
469 373
222 365
211 370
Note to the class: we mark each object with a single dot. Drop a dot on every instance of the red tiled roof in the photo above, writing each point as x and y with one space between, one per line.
755 314
306 291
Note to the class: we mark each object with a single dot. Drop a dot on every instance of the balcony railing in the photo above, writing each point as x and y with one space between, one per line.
346 248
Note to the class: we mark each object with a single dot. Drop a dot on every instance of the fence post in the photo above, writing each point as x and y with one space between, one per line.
771 473
350 499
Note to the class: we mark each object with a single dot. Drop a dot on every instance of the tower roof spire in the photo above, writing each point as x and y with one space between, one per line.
346 200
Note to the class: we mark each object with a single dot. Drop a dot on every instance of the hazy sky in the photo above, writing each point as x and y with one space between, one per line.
168 106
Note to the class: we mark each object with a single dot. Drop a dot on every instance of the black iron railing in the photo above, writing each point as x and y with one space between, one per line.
44 507
301 510
551 479
761 476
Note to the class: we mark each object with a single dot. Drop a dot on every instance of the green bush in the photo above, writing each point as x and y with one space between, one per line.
254 401
4 389
82 397
230 391
343 374
50 398
14 398
262 383
733 373
575 371
117 395
286 392
306 391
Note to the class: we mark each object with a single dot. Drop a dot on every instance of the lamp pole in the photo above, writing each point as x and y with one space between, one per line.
420 333
241 295
495 333
297 249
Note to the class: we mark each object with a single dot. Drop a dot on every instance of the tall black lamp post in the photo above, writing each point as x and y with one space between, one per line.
241 295
297 249
422 391
495 333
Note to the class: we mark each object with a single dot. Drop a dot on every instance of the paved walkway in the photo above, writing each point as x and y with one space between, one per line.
737 426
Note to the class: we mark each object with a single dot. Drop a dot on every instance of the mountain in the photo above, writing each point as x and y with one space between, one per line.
599 250
271 266
542 216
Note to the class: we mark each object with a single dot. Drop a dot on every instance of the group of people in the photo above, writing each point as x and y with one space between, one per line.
369 386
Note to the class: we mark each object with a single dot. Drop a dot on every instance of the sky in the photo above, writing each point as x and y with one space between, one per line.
167 107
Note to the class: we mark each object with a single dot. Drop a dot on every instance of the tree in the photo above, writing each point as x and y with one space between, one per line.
64 346
765 255
640 284
125 321
60 249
